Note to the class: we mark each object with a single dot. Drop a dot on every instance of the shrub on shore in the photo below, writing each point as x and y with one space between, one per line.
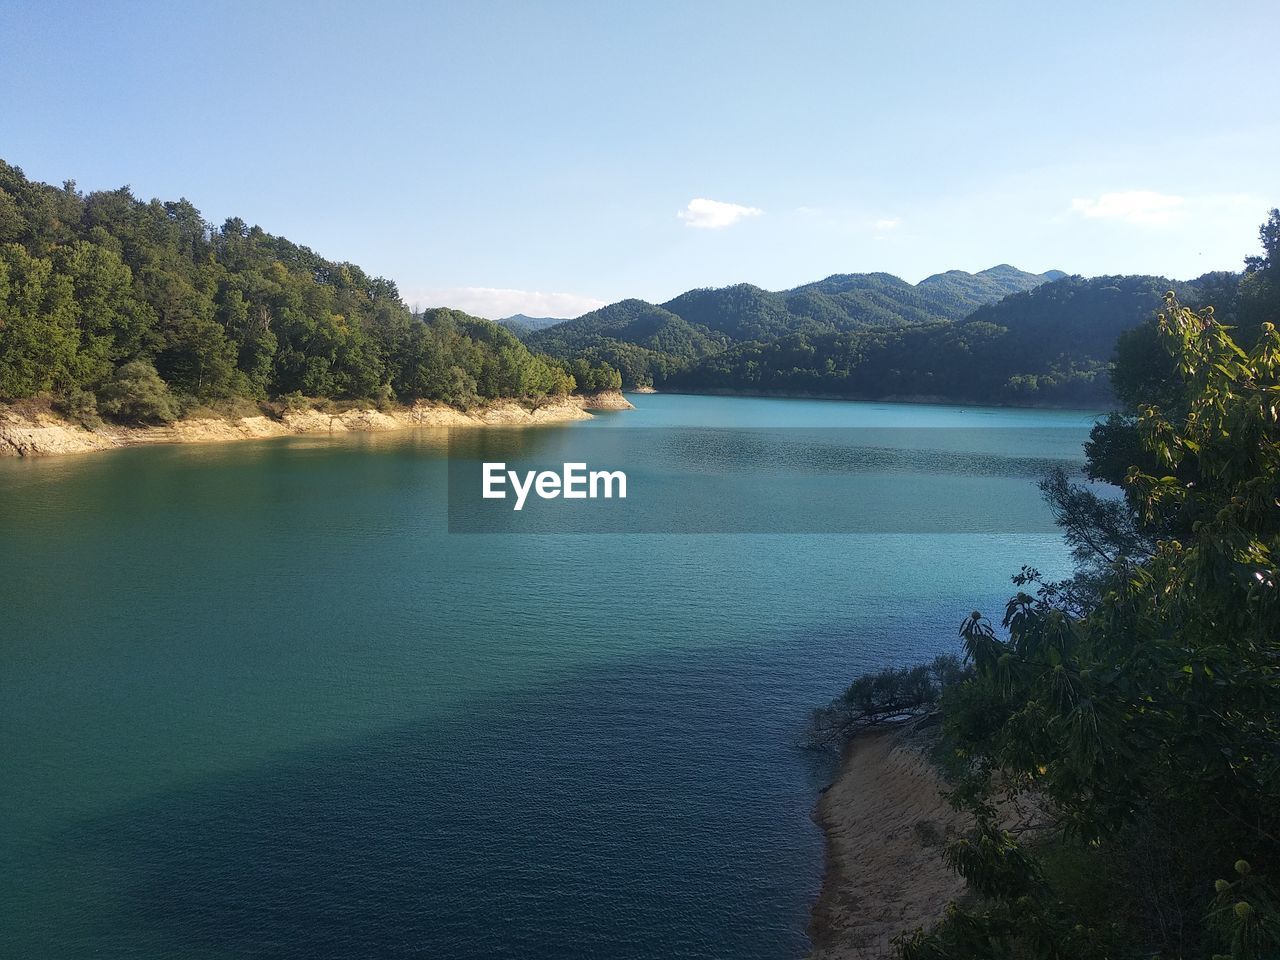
79 406
136 394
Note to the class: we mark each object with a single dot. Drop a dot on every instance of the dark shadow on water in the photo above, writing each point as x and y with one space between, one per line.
638 810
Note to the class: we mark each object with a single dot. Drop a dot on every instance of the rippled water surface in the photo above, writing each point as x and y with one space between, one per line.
257 701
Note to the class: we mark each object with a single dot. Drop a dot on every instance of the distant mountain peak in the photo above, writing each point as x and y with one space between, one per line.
523 323
1008 270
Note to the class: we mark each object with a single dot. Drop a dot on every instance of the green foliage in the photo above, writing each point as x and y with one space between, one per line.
1147 719
1259 294
38 335
593 377
1101 531
136 394
92 283
1143 370
741 312
79 406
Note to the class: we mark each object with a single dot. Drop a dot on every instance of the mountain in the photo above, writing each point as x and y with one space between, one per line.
881 299
646 343
521 323
962 288
1052 344
848 302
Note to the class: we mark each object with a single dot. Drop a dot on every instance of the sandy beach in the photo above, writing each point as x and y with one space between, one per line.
886 820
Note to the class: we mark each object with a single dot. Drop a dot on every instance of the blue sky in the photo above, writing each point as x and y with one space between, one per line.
548 157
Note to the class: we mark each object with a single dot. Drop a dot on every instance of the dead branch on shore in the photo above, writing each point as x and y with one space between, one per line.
891 697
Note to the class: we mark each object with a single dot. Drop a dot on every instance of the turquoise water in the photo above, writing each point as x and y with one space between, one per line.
257 701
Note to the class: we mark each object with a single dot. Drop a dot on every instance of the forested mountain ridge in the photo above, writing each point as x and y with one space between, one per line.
1052 344
144 309
716 318
1030 339
848 302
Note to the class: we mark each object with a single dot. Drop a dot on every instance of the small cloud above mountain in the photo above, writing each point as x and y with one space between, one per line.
704 214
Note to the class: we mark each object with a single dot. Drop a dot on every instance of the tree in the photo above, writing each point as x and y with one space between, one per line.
1259 297
38 336
113 323
1149 722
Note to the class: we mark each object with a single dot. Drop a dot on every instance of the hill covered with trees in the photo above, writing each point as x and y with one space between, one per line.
1052 344
651 343
849 302
147 308
645 342
1000 336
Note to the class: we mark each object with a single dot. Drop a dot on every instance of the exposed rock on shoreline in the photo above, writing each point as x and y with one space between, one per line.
605 400
43 433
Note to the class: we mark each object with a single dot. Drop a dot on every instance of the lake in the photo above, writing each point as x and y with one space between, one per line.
258 700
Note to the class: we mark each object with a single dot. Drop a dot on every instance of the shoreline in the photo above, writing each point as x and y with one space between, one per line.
41 433
885 820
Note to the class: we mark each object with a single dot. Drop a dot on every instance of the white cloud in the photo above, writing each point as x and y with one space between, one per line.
707 214
1132 206
890 223
494 303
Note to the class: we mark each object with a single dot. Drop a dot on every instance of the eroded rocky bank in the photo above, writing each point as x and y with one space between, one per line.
32 431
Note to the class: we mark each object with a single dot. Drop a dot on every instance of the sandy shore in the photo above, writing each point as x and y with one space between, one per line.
43 433
886 821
